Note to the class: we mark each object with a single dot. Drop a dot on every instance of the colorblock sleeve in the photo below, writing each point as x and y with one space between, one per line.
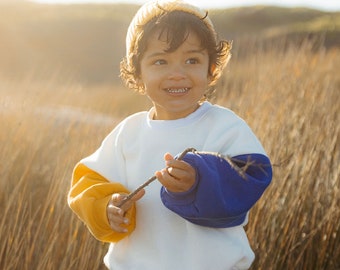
88 197
221 196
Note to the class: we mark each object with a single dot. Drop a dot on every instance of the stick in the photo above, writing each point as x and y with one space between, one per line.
232 162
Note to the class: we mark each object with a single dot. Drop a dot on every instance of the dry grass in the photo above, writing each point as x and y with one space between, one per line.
289 97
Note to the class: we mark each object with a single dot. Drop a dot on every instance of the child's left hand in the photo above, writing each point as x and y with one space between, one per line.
178 176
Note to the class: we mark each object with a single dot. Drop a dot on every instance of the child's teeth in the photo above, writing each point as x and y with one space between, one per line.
182 90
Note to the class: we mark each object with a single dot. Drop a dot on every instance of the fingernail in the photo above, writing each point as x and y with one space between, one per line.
126 221
125 230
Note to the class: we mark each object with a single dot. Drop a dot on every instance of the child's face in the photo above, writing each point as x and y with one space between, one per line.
174 81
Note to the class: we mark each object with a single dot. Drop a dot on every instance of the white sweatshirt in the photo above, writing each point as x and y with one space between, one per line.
131 154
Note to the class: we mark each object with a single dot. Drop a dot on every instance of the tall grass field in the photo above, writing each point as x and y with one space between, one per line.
289 95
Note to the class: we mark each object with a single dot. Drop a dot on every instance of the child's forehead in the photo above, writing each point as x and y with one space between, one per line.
167 34
159 39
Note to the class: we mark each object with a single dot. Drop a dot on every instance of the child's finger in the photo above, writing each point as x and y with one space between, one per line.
168 157
138 196
132 200
175 163
176 173
115 214
116 223
176 180
167 180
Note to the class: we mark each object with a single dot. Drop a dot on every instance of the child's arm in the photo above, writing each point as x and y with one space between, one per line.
221 196
89 197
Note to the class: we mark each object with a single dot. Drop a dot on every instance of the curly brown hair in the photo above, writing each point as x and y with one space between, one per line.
175 26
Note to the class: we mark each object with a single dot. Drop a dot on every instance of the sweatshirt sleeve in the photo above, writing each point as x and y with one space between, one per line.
88 197
221 196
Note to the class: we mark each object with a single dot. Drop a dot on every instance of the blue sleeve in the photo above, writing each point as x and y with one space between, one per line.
221 196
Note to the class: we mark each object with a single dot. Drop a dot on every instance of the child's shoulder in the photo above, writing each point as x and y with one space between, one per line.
223 112
129 125
134 119
221 109
136 116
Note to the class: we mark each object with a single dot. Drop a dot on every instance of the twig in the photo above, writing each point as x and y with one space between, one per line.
233 162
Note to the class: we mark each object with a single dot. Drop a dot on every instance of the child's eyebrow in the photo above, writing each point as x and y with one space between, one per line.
200 51
157 54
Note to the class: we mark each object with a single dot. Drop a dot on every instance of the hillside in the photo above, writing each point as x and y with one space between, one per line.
86 42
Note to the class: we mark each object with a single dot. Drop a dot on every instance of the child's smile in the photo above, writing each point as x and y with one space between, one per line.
174 81
177 91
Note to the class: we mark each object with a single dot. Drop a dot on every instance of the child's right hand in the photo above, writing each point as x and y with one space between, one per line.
116 215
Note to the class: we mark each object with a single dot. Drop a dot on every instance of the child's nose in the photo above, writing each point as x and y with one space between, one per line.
177 72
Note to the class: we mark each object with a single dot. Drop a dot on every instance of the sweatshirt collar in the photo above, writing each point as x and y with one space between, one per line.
193 117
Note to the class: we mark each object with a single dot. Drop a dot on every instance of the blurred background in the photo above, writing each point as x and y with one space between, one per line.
60 95
85 42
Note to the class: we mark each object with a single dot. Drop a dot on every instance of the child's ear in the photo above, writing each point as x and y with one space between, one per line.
211 72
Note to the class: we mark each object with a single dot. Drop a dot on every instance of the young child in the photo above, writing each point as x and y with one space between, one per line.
193 216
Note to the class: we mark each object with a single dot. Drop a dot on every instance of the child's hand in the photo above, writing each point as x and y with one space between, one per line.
178 176
116 215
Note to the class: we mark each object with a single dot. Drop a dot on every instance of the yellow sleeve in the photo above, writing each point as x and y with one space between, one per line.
88 197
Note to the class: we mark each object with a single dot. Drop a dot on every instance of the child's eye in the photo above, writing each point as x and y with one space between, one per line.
160 62
191 61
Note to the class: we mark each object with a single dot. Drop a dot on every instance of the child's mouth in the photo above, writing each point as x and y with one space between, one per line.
177 90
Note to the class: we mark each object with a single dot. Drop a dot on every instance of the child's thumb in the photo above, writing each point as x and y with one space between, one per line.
116 198
168 157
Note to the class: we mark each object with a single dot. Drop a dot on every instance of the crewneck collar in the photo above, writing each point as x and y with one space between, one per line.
193 117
